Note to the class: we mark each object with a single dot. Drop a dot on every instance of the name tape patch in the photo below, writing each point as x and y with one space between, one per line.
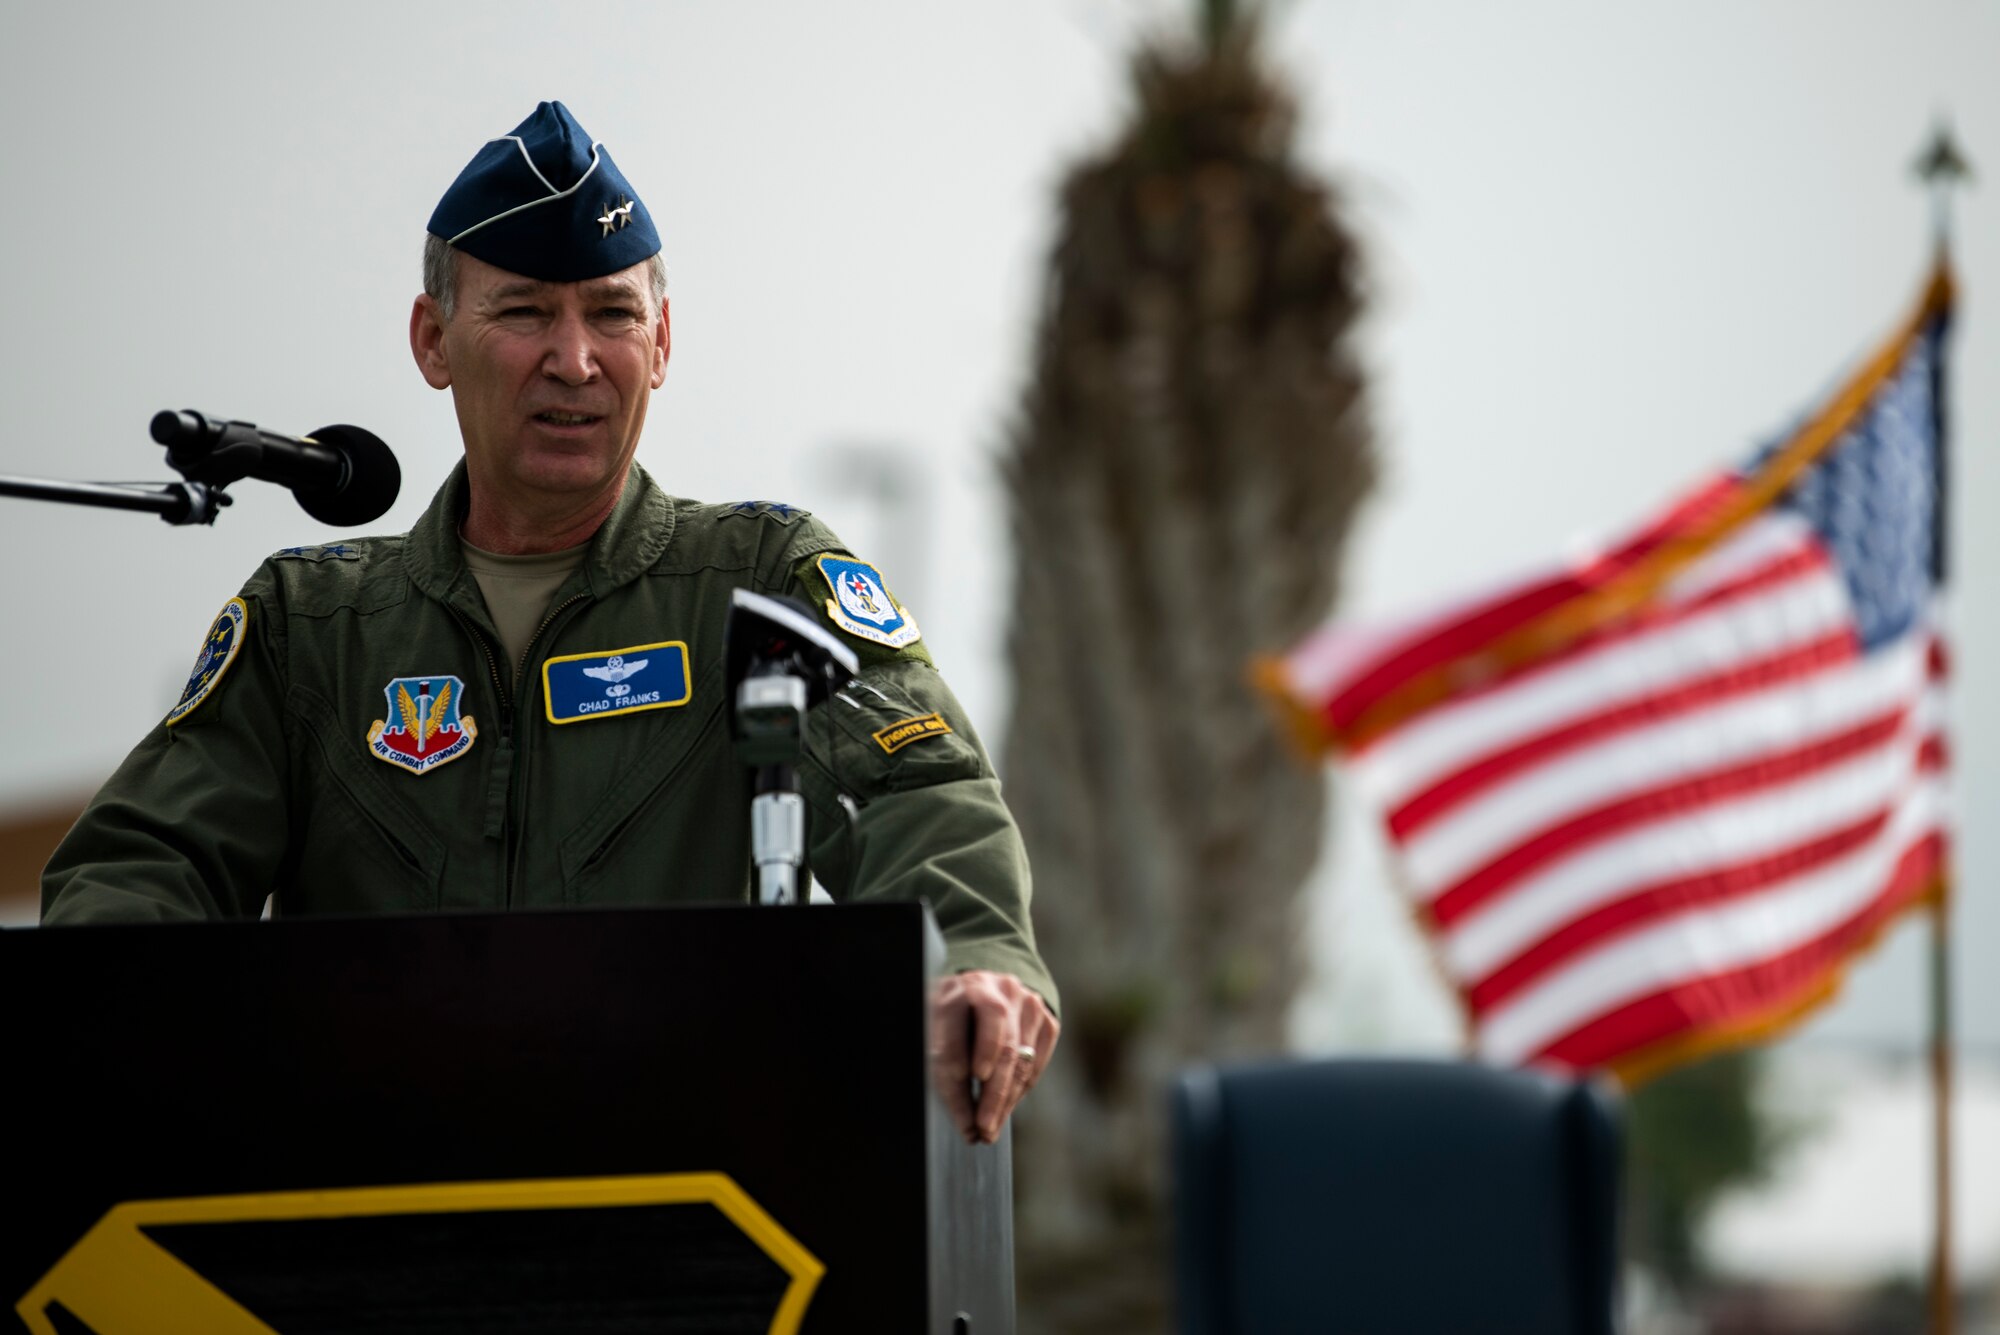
612 682
899 735
218 650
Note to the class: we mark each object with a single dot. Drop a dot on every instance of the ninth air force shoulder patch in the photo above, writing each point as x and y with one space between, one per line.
862 607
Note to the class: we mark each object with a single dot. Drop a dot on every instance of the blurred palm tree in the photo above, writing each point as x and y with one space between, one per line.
1184 469
1692 1136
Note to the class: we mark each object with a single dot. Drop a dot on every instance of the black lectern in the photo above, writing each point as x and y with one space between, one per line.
705 1119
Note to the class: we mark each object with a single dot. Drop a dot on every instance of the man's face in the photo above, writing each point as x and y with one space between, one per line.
550 380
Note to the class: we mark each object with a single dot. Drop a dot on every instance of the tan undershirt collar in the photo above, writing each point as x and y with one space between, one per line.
518 591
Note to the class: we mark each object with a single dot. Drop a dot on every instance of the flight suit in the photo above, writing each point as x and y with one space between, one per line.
281 779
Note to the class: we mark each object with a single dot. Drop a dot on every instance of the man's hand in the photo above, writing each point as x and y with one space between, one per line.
988 1027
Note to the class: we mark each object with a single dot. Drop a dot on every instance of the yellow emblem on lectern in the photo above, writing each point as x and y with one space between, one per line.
118 1280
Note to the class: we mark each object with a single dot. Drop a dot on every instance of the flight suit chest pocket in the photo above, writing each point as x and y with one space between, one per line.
361 846
678 736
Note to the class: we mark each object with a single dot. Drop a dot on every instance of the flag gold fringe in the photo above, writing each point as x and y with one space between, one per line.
1305 729
1562 625
1651 1062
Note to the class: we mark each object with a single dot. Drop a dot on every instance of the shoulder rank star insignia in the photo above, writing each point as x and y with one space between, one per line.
862 607
336 551
425 728
775 508
614 217
218 651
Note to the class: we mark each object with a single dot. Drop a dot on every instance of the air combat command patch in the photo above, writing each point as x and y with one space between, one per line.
616 681
218 651
424 728
862 607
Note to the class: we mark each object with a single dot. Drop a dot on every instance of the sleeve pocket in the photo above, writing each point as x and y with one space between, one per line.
886 733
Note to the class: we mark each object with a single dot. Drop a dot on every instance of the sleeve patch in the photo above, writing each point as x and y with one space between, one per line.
899 735
861 605
218 651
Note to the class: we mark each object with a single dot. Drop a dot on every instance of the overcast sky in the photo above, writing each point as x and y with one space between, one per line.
1612 247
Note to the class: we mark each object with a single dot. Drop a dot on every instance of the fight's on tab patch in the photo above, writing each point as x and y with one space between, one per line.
862 607
899 735
610 682
425 728
218 651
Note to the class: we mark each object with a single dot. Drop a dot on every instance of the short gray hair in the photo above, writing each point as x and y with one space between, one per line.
441 275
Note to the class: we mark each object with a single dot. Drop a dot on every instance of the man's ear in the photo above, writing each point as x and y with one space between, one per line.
427 342
663 345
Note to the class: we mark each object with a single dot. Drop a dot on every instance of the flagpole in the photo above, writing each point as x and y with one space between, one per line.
1941 167
1942 1286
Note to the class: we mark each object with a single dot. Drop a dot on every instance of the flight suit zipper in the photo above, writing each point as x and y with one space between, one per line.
500 774
500 691
511 826
547 621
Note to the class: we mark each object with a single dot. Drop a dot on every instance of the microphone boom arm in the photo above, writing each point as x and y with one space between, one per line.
175 502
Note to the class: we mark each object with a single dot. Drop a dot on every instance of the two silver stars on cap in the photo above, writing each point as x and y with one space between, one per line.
614 217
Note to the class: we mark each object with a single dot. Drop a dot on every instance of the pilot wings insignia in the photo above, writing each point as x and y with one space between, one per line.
429 731
615 669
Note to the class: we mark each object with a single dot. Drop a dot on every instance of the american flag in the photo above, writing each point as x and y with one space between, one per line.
1649 803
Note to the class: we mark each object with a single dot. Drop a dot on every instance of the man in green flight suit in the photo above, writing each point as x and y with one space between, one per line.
520 701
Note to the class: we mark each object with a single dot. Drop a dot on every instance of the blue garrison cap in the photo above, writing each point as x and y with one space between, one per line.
546 202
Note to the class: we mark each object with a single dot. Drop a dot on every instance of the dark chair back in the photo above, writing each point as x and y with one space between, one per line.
1394 1197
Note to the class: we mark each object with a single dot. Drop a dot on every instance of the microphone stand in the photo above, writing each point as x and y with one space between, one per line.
778 810
175 502
778 663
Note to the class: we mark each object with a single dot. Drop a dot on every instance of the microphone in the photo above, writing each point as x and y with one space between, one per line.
340 475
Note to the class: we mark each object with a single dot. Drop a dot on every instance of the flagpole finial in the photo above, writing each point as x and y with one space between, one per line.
1942 162
1942 166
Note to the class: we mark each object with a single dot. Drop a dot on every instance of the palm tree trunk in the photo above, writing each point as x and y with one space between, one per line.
1184 468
